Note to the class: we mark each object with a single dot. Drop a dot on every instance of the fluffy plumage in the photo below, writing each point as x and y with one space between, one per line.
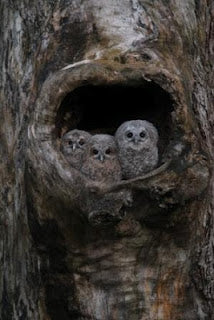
73 146
137 145
100 162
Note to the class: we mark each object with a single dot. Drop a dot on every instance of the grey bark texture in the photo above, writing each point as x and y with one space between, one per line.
155 263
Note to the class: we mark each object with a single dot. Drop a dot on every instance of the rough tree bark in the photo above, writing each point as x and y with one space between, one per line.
157 261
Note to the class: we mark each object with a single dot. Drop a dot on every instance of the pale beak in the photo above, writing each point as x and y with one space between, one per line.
136 140
74 146
101 157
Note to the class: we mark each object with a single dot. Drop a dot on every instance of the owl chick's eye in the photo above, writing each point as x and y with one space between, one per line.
82 142
70 143
95 151
142 134
129 135
108 151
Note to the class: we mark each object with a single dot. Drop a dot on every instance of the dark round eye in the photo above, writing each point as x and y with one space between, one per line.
129 134
95 151
108 151
70 143
81 142
142 134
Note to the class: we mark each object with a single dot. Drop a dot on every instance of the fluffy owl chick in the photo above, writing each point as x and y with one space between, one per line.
73 146
137 144
100 162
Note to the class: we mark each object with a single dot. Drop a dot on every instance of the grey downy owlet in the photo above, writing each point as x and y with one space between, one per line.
73 145
137 145
100 161
101 165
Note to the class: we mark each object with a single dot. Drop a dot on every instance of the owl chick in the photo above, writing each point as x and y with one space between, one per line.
101 164
137 144
73 145
101 161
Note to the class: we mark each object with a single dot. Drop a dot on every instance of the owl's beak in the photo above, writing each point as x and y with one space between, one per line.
136 140
101 157
74 146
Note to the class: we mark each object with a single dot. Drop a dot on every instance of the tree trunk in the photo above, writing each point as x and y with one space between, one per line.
92 65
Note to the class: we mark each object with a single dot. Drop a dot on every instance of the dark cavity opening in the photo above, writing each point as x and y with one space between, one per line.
101 109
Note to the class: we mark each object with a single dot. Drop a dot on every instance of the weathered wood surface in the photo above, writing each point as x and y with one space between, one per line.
157 263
